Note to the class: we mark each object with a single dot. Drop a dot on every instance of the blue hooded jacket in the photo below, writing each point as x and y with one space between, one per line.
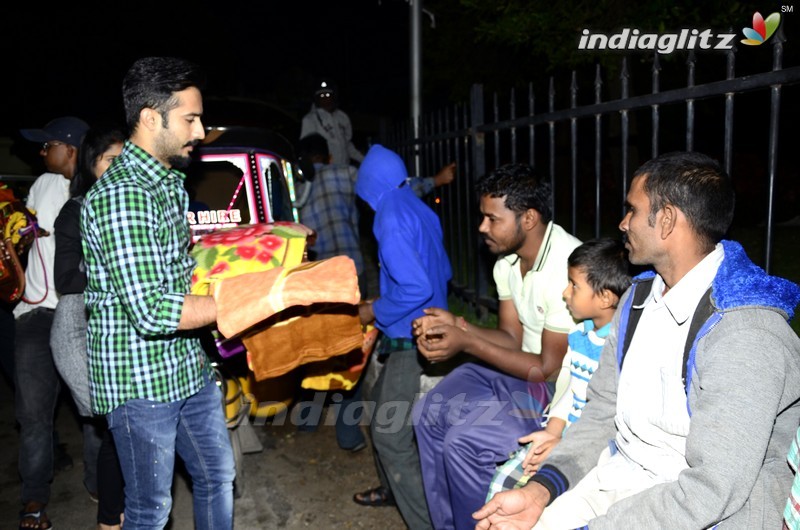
414 268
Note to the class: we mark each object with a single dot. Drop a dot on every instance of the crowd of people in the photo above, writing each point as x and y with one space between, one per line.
602 400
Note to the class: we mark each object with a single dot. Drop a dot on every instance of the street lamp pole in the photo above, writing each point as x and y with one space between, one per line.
416 75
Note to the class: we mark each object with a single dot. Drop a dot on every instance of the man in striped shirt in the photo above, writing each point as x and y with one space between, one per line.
150 376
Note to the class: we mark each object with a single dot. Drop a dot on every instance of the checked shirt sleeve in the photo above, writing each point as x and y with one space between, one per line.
135 258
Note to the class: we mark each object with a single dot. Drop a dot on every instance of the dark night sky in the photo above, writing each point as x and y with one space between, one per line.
64 59
70 59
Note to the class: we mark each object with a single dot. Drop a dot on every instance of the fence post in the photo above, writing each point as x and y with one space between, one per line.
598 152
573 126
478 144
656 118
691 64
774 117
478 170
730 73
625 81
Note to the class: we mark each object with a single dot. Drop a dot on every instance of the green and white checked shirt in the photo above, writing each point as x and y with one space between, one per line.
135 242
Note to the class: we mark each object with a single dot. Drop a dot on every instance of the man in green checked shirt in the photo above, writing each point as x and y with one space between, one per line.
150 376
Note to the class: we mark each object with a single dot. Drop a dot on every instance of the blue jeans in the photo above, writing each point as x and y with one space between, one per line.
148 433
36 394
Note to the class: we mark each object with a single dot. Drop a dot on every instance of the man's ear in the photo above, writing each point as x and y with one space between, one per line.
149 118
666 223
72 151
530 218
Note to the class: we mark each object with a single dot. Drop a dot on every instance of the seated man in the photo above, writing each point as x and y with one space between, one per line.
472 419
697 396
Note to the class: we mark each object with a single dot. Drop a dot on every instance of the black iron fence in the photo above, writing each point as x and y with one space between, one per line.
590 150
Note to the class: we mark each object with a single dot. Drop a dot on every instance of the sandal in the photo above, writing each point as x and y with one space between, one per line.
39 517
379 496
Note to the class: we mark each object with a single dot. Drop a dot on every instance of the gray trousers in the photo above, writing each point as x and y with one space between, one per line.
397 458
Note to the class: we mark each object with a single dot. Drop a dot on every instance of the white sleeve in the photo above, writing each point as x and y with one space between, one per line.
560 409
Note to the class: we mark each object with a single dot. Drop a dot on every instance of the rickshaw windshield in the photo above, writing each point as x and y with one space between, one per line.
217 196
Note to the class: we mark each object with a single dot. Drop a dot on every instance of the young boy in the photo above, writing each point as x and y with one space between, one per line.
598 275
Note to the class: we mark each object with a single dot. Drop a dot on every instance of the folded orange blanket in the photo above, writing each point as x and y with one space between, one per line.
247 299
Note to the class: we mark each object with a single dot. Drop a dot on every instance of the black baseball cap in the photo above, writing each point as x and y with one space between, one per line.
67 129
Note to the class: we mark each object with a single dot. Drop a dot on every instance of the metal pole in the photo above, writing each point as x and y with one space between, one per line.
774 115
416 73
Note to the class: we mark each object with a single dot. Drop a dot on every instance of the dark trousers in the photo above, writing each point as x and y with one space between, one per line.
7 342
110 486
37 389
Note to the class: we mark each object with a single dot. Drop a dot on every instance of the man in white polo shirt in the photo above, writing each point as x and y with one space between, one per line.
473 418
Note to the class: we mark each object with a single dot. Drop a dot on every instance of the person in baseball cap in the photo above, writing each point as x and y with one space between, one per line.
36 391
60 140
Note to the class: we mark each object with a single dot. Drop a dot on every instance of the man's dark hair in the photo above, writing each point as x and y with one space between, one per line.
96 141
695 184
605 263
521 188
312 146
151 83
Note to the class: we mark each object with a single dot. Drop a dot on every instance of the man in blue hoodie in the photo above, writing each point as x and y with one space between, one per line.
414 271
697 396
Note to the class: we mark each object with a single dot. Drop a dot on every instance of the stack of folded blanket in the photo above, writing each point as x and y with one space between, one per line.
285 312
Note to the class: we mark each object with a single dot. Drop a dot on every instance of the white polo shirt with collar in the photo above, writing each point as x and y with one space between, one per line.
537 296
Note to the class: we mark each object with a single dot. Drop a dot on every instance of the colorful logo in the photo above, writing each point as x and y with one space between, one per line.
762 29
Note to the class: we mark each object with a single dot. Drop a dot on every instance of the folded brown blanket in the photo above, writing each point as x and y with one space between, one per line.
301 335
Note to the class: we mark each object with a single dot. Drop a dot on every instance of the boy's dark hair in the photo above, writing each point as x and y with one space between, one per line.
311 146
605 263
521 188
96 141
697 186
151 83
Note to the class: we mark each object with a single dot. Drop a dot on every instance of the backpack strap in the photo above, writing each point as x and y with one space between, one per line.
701 315
641 290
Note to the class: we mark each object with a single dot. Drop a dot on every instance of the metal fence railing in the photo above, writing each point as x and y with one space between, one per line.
590 150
